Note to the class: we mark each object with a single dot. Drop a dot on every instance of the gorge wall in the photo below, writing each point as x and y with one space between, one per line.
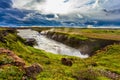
84 44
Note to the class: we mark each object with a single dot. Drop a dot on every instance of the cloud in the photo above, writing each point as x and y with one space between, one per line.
60 12
27 4
89 8
5 4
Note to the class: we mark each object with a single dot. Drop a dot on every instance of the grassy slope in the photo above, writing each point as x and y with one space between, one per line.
107 60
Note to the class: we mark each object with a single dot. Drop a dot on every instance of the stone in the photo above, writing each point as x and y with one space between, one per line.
33 70
66 62
30 41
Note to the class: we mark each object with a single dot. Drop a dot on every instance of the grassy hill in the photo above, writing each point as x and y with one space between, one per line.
104 65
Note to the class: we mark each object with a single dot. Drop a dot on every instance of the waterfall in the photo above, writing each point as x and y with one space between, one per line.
49 45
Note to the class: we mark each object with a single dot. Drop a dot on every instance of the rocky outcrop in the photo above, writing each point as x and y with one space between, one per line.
85 45
30 71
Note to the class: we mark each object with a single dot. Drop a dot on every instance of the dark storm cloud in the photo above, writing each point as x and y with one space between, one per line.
5 3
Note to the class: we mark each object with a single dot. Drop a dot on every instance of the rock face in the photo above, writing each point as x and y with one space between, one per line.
66 62
88 46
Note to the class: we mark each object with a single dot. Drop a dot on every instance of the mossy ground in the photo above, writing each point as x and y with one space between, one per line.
107 59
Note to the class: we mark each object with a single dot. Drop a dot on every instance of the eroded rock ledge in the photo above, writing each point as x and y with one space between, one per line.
84 44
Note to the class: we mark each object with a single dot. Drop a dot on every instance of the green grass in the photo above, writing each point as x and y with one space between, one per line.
79 37
83 30
4 59
111 34
107 60
9 72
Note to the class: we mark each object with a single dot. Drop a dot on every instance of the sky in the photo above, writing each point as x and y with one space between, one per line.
59 12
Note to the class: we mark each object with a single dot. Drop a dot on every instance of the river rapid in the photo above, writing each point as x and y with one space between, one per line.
49 45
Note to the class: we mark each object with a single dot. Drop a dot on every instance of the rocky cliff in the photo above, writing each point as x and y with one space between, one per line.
84 44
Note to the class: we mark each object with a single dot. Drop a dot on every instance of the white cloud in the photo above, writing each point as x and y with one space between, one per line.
89 8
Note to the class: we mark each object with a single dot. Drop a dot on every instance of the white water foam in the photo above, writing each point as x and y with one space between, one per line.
49 45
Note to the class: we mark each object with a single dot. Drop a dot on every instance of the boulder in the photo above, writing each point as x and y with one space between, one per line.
30 41
66 61
33 70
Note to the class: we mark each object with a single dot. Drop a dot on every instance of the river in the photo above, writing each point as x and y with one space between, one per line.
49 45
